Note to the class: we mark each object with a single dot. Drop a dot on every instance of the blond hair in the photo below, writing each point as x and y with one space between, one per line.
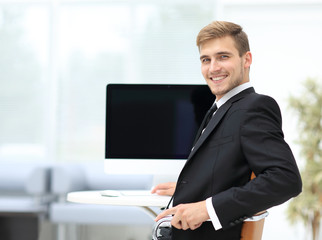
219 29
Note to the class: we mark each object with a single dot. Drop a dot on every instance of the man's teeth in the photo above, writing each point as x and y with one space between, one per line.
218 78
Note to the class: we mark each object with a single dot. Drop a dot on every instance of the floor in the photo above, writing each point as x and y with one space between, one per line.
14 227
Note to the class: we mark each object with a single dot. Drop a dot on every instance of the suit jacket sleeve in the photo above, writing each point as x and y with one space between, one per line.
271 159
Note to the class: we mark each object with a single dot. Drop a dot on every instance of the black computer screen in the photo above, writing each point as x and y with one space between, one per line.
154 121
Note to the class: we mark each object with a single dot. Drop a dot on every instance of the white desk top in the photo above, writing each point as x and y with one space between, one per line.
125 198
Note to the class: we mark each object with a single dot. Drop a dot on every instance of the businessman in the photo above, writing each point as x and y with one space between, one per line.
213 194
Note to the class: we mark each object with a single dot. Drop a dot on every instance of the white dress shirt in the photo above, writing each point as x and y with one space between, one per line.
210 208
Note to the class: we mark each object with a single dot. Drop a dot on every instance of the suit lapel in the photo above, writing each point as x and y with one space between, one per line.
211 126
217 118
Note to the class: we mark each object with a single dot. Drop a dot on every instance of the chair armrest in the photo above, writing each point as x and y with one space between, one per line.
257 217
67 178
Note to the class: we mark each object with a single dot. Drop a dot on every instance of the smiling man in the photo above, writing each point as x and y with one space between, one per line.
222 66
214 194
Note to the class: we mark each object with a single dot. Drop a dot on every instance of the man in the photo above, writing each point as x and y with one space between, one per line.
214 194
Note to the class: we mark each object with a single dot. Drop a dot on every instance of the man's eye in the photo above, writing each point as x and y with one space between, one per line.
204 60
224 57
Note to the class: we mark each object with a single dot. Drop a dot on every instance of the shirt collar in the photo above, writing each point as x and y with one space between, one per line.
232 93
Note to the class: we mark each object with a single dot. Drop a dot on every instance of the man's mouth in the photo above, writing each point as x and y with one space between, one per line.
218 78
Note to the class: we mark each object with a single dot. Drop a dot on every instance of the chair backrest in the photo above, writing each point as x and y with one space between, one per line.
253 230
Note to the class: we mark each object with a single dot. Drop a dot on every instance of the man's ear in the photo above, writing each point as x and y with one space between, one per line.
248 59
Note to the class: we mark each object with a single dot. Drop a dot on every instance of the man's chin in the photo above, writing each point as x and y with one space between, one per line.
218 94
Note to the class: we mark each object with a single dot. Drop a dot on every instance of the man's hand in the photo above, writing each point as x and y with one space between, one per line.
164 189
187 216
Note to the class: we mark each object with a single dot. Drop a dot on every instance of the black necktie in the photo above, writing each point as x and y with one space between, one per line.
205 121
209 115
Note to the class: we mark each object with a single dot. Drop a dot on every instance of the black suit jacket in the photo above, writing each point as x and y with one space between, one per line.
245 135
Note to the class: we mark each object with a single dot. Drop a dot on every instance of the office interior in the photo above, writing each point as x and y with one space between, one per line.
57 56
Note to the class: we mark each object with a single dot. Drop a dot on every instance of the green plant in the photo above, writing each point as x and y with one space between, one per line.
307 207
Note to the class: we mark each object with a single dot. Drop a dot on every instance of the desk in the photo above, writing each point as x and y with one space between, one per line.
138 198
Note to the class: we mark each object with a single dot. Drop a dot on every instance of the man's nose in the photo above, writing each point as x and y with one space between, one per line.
214 66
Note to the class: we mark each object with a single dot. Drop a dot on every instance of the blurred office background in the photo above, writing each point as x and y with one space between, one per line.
56 57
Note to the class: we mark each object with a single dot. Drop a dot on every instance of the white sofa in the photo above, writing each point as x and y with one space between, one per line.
90 176
24 188
24 199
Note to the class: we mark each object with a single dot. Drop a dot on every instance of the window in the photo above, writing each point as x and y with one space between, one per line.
23 70
59 57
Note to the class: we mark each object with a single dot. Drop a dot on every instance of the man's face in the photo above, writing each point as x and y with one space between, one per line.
221 65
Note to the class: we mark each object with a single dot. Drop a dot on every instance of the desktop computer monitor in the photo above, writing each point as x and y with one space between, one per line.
150 128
